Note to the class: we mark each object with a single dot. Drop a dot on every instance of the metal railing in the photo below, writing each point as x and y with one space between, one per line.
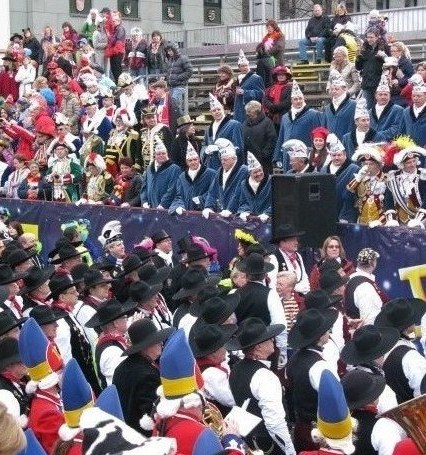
401 21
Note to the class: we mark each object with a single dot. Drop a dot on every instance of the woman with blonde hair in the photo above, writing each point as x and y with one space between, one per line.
332 248
341 17
347 69
12 438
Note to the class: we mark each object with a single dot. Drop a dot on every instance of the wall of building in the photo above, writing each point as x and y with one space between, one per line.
38 13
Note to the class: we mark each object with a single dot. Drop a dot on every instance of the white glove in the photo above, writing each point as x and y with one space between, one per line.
391 223
125 204
206 213
225 213
145 205
196 200
361 174
279 164
343 221
180 210
160 207
415 223
263 217
210 149
244 216
375 223
391 220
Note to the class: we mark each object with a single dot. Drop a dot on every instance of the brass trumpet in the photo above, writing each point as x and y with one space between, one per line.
411 415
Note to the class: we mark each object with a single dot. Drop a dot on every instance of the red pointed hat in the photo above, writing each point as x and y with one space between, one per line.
45 125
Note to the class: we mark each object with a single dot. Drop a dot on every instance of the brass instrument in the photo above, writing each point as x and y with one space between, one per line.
411 415
213 418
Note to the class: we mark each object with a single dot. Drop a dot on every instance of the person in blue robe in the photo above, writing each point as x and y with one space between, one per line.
159 180
255 192
192 185
250 87
223 195
295 124
223 126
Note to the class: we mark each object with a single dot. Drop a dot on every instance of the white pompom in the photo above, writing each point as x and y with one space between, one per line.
146 423
67 433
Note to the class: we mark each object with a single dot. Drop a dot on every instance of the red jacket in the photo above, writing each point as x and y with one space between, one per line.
45 418
25 140
323 452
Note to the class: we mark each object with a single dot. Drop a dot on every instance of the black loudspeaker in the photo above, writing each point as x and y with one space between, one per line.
306 201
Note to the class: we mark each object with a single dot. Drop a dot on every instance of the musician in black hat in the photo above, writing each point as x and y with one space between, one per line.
137 377
150 304
193 282
12 373
258 300
208 346
127 276
164 247
97 289
362 391
68 257
9 324
404 366
111 317
20 261
10 290
71 339
47 318
286 256
252 379
309 334
36 288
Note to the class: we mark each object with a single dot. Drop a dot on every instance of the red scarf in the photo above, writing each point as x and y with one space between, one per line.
114 336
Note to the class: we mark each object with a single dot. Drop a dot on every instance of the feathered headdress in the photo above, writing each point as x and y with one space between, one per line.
398 144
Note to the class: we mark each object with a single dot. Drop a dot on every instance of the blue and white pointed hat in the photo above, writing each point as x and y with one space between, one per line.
34 350
207 443
333 418
177 367
109 401
77 396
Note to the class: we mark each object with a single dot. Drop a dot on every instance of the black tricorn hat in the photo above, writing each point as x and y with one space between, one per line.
35 278
109 311
144 333
254 264
401 313
215 310
362 387
193 281
369 343
143 254
196 253
310 325
331 280
43 314
66 252
320 299
253 331
130 264
19 256
151 275
141 291
93 277
8 321
285 231
208 338
8 276
159 236
9 352
60 282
